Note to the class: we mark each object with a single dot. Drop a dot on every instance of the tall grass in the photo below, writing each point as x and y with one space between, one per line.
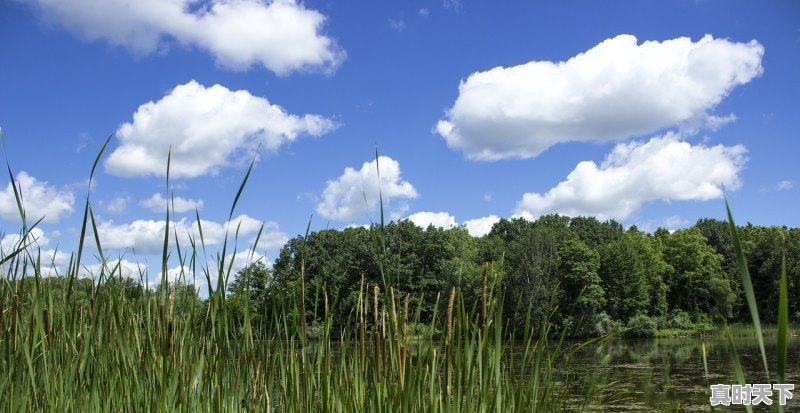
783 316
107 352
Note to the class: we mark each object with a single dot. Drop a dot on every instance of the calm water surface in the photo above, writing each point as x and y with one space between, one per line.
668 374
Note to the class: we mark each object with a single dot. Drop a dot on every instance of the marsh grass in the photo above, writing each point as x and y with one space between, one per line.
104 351
65 348
783 328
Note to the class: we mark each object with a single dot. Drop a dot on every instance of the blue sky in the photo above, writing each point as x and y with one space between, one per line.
639 111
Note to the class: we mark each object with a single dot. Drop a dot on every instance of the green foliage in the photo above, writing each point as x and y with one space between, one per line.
642 326
424 317
697 283
580 293
634 273
595 233
531 283
553 272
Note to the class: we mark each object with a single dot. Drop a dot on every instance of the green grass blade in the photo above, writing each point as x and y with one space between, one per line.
241 187
747 285
783 324
737 366
380 192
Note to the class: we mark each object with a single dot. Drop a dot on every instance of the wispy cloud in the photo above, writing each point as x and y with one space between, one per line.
784 185
397 25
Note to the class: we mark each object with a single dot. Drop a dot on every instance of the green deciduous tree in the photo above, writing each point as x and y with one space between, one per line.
633 270
697 283
581 295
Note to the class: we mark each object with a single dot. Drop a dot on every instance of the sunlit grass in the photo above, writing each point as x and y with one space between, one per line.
73 344
782 335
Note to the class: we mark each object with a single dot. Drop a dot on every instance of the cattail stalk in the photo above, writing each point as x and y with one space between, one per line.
180 386
266 393
383 324
449 325
483 298
303 300
256 397
325 300
403 351
375 330
448 337
14 322
376 292
46 319
405 317
362 329
359 309
393 315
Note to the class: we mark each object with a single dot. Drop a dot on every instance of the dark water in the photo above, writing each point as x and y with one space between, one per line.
668 374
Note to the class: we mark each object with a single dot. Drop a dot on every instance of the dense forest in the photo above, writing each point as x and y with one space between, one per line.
589 276
578 275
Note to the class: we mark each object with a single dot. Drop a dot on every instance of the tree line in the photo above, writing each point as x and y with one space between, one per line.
580 275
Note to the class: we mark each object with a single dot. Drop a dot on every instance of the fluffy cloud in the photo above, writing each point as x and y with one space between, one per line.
281 35
237 262
178 273
663 168
39 199
344 198
272 237
615 90
158 203
208 128
437 219
479 227
52 261
147 236
11 242
116 267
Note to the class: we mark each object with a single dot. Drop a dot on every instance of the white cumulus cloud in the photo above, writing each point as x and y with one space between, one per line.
208 128
356 192
479 227
116 267
147 236
158 203
615 90
39 199
52 260
281 35
11 242
664 168
437 219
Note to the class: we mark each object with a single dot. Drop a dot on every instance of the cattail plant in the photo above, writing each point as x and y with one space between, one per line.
149 355
376 324
484 280
449 337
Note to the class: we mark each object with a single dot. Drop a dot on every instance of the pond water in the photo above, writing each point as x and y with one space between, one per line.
668 374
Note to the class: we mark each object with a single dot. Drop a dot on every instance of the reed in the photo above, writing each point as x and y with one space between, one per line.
74 344
782 335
